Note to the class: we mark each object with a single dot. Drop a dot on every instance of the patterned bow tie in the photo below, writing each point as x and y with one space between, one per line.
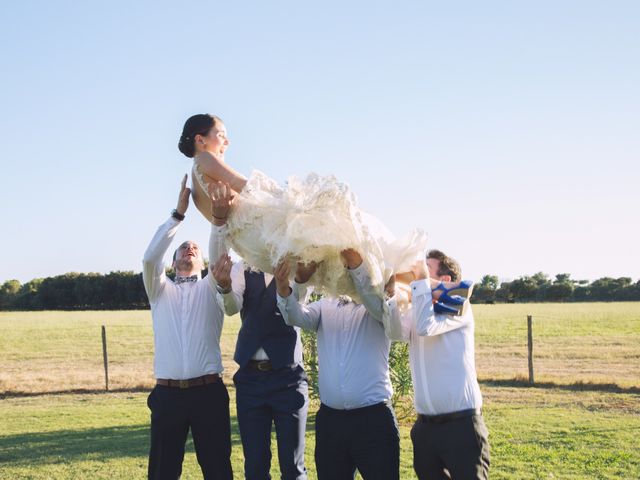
192 278
344 300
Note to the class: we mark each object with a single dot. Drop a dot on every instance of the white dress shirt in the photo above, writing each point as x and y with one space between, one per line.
187 319
441 354
353 350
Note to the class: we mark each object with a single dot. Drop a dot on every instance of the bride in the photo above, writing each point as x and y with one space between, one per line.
311 219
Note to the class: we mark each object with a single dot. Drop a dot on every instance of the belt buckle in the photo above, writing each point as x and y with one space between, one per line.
264 366
184 383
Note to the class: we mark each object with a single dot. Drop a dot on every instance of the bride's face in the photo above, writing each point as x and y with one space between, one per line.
216 140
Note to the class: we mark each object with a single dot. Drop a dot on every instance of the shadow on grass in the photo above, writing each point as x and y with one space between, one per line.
576 386
76 391
67 446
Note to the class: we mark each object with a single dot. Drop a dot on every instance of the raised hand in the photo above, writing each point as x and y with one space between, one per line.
221 200
221 271
183 196
351 258
419 269
304 271
390 286
281 274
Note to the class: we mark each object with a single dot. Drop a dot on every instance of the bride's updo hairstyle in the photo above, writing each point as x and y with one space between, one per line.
200 124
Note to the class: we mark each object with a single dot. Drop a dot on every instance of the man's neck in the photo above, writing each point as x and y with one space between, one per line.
185 273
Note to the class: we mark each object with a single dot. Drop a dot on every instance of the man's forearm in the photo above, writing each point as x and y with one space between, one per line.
161 241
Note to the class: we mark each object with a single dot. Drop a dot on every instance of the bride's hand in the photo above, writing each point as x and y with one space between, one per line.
221 201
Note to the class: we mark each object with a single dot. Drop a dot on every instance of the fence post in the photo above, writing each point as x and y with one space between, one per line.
530 346
105 358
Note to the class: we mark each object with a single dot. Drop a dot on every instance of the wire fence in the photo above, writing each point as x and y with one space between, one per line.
40 354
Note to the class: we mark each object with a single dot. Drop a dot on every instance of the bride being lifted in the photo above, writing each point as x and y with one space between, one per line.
311 219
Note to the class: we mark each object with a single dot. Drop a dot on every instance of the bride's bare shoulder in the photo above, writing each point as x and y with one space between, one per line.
215 168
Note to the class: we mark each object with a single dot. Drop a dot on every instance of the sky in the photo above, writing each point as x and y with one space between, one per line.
508 131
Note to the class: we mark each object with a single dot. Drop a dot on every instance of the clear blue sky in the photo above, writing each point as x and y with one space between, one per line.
509 131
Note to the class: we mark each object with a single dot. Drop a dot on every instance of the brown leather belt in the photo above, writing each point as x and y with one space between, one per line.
262 365
447 417
190 382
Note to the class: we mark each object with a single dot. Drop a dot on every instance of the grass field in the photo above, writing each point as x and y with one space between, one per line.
583 422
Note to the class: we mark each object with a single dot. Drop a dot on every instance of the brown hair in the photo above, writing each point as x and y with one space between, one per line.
200 124
447 265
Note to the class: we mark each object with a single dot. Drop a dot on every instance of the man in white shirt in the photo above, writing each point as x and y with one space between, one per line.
189 392
450 438
356 428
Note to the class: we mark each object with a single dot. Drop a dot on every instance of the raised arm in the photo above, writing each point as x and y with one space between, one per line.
426 321
221 200
153 275
307 317
215 168
370 297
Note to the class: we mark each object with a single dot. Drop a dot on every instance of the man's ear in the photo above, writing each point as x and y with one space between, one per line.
445 278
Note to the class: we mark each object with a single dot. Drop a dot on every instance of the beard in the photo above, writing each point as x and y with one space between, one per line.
187 264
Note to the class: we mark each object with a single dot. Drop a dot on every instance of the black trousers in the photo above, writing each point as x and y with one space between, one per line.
455 449
366 439
204 409
280 398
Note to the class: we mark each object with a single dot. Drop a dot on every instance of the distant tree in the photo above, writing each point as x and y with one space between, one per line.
560 290
523 289
485 291
503 294
8 293
28 297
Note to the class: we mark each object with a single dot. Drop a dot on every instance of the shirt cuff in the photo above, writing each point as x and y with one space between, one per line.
421 287
283 301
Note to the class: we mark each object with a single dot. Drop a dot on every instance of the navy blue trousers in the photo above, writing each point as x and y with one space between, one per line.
366 439
204 409
277 397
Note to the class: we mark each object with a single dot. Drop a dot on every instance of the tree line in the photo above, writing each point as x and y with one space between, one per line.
124 290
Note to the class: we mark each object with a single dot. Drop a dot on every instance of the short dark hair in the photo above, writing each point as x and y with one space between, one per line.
447 266
199 124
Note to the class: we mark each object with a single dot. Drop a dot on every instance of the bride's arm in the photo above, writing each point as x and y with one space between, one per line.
218 170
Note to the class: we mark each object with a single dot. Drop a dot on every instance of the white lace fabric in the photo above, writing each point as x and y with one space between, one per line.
314 219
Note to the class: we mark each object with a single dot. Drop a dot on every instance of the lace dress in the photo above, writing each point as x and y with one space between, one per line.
313 219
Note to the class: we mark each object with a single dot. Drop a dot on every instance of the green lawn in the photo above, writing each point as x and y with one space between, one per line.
559 431
535 433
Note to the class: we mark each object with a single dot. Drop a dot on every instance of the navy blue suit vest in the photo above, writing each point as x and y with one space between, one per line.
263 325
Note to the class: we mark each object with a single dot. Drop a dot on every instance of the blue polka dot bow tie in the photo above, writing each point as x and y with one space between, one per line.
192 278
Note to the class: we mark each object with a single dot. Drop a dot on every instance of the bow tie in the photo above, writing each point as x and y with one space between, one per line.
344 300
192 278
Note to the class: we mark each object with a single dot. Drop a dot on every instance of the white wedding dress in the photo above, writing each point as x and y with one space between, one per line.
312 219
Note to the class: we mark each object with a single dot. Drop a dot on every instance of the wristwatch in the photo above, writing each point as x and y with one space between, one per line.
221 290
177 215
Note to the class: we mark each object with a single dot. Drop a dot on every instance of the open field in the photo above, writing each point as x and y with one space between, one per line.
582 342
558 430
